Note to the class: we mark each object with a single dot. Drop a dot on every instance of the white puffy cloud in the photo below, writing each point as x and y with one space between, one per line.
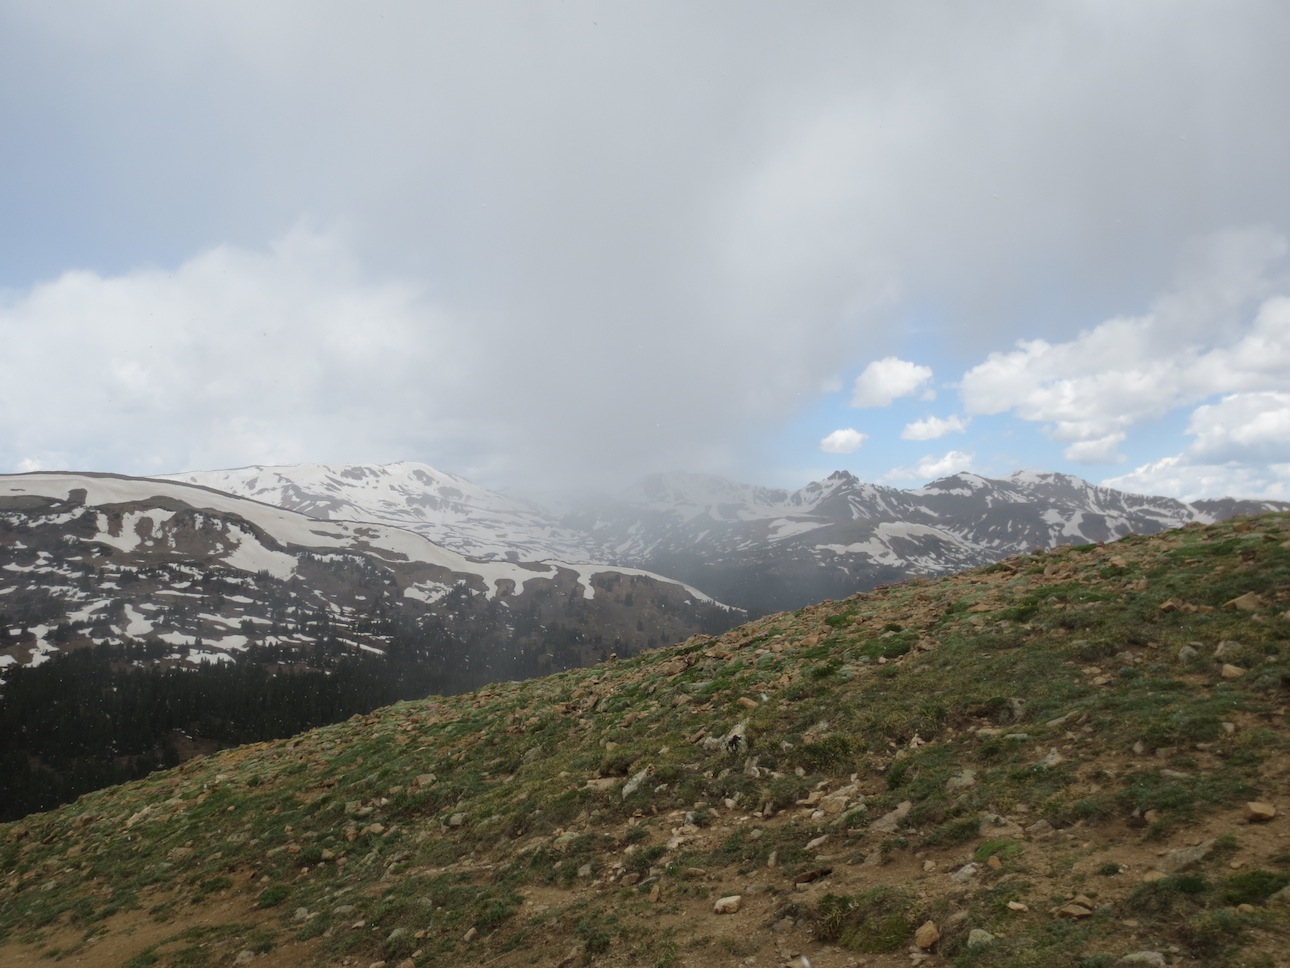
1218 332
1253 427
930 468
1176 476
234 357
1240 447
846 441
930 428
882 381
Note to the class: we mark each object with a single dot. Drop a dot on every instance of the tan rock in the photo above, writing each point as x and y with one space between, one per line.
1073 910
1249 602
728 904
927 935
1259 811
1230 671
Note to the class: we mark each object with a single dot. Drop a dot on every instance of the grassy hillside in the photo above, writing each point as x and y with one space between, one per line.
1059 760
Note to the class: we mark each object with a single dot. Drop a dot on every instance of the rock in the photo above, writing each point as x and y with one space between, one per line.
244 957
1073 910
634 784
1154 958
888 822
814 875
801 961
728 904
817 843
1179 860
585 870
927 935
965 873
978 937
630 879
424 780
395 935
1018 907
1226 648
406 963
1230 671
470 935
1053 758
1187 653
1040 828
1259 811
1249 602
457 820
748 702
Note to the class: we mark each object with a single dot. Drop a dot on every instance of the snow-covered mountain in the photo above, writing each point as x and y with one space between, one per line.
102 559
449 510
759 548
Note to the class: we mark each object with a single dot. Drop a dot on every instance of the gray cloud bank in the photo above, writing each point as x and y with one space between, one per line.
585 240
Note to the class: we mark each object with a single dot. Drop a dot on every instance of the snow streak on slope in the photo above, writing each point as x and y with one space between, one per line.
449 510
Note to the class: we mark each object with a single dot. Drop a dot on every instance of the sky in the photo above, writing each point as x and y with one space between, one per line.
558 245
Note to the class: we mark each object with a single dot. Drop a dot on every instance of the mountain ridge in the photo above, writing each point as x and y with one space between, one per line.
761 549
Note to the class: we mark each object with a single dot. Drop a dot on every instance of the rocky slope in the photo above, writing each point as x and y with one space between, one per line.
100 559
1071 758
761 549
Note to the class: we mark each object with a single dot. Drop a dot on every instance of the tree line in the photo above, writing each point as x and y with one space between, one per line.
90 717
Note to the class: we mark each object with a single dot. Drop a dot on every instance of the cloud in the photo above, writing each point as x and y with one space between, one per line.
1240 447
882 381
1210 335
846 441
235 357
608 239
930 428
929 468
1102 450
1178 477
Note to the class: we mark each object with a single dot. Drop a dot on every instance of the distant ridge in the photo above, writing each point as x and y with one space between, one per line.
758 548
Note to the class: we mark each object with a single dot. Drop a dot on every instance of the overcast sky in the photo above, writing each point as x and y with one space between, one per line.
541 244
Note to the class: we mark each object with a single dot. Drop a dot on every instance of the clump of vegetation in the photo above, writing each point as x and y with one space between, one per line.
879 920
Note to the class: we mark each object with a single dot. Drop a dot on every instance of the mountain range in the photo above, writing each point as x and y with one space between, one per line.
759 549
201 575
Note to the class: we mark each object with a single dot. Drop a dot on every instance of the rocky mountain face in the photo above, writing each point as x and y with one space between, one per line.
1070 758
199 575
761 549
